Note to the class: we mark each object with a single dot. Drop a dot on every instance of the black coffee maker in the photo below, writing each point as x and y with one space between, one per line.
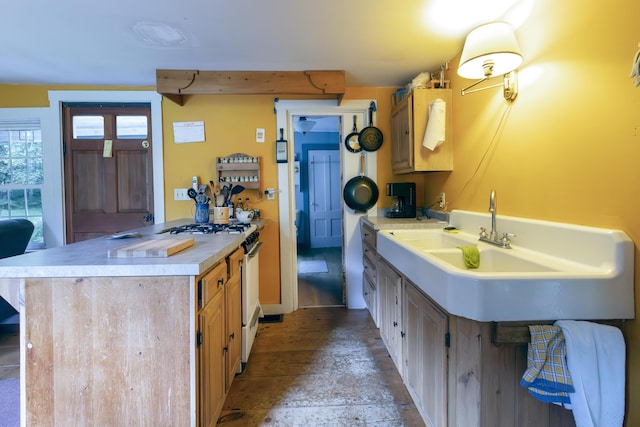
403 204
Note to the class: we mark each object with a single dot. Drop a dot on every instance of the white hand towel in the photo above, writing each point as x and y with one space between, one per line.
434 135
596 362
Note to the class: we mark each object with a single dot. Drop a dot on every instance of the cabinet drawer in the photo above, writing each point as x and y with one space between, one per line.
369 253
368 235
211 283
369 269
235 261
369 292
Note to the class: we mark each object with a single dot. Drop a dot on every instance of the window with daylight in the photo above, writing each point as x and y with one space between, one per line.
21 174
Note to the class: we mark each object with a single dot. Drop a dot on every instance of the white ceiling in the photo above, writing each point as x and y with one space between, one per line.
377 42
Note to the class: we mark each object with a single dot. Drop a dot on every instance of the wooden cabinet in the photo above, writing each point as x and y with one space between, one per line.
211 344
425 346
454 371
390 288
239 169
219 335
233 305
408 125
369 276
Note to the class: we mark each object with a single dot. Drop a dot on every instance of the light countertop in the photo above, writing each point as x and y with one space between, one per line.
89 258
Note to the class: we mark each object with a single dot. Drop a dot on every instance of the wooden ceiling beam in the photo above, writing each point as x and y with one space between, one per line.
173 84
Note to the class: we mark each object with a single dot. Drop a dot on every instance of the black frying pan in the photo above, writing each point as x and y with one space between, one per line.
370 138
360 192
351 141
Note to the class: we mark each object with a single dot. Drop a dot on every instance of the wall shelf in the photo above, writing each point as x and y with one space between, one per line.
239 169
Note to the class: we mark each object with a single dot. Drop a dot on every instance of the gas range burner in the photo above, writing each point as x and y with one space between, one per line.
210 228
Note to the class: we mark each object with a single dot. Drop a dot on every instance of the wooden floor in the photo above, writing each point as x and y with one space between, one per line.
321 289
319 367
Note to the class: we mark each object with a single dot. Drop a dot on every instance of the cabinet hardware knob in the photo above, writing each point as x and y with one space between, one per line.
395 324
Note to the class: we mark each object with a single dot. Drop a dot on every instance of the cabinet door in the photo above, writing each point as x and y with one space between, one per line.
390 287
211 324
425 354
401 142
233 307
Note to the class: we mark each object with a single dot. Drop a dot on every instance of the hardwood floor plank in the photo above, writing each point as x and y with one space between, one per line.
319 367
337 416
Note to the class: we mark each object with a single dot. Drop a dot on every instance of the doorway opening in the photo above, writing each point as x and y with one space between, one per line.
318 201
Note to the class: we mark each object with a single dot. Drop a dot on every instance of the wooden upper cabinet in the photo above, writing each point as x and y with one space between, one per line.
408 125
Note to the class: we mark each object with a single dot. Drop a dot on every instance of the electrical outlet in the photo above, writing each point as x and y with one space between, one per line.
180 194
443 202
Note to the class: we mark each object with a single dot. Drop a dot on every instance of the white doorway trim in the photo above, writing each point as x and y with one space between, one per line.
285 111
53 133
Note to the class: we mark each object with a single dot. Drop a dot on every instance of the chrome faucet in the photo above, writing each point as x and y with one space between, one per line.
493 234
492 237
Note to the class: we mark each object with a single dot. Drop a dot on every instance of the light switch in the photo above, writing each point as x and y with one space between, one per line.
259 134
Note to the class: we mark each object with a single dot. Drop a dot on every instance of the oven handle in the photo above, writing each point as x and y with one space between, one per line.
254 250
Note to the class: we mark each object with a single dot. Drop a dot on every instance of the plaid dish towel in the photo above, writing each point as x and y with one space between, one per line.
547 376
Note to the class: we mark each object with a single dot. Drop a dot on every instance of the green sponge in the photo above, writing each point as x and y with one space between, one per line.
471 256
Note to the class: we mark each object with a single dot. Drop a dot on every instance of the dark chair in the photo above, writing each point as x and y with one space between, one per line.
14 236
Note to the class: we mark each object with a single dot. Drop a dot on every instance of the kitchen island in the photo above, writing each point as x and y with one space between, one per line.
113 341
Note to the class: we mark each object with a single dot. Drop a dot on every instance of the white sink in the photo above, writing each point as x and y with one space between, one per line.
493 261
427 239
553 271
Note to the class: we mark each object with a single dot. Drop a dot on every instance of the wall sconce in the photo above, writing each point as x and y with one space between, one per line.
305 125
491 50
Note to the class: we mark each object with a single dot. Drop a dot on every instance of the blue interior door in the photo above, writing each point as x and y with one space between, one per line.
325 201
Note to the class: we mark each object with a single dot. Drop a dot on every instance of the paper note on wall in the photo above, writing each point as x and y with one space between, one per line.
434 135
184 132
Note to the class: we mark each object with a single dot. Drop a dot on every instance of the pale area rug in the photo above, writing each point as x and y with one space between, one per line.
312 266
10 403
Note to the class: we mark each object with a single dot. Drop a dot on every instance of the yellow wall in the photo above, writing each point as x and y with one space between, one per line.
568 148
230 127
33 96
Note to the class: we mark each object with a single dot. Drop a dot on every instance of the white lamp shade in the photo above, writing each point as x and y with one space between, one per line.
493 42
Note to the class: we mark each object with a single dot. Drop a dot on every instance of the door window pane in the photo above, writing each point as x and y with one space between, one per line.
88 127
131 127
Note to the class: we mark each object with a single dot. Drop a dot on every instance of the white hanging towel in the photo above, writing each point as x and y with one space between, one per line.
596 362
435 132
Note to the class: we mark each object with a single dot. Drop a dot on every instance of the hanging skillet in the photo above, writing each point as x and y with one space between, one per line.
360 192
351 141
370 138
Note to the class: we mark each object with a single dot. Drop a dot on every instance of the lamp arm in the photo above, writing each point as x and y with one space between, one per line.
466 90
509 85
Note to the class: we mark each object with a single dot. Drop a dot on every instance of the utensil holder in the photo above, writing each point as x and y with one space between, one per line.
221 215
202 213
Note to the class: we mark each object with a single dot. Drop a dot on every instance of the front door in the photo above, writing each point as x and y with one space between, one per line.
107 169
325 201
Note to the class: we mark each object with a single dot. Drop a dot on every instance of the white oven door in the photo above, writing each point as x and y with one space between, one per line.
251 310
